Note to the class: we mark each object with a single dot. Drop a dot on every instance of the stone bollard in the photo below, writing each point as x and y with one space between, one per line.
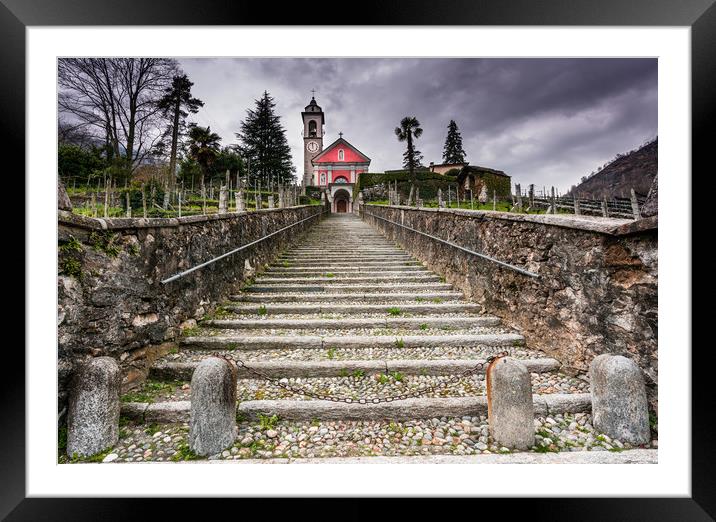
240 205
510 410
93 415
270 201
212 427
619 405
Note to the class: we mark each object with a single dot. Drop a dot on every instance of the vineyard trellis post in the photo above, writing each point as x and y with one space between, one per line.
635 205
144 202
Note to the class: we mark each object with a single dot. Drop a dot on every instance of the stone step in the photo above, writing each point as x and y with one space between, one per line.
328 257
328 265
339 353
356 297
400 277
387 322
272 342
272 308
182 371
348 250
346 288
369 268
310 272
399 410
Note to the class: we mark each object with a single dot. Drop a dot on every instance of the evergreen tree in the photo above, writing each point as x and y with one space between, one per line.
229 159
417 157
408 131
177 103
264 144
203 148
453 151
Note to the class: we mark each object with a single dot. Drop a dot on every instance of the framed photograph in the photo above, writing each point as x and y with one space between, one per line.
413 255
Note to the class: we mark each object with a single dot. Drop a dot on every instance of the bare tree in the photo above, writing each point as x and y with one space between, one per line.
116 99
76 134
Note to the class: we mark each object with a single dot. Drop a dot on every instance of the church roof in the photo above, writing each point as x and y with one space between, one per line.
340 141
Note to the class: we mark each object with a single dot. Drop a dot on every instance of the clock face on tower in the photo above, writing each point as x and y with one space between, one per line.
312 146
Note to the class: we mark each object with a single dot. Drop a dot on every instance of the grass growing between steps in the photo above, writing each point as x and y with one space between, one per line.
219 313
268 422
183 452
391 377
151 390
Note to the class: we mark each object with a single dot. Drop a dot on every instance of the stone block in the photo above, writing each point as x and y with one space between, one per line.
93 414
619 404
212 427
509 403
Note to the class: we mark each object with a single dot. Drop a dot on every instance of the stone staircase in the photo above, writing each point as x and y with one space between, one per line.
347 314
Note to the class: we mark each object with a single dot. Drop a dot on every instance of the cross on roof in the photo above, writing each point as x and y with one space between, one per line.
313 92
340 134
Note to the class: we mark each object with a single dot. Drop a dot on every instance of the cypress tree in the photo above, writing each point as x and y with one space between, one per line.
453 151
263 140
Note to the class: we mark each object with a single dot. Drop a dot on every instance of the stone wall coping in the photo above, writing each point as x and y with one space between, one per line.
608 226
65 217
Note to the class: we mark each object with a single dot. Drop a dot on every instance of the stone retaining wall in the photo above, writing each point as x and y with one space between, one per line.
597 290
110 297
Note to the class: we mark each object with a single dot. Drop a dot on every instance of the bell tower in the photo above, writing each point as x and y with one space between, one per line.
313 122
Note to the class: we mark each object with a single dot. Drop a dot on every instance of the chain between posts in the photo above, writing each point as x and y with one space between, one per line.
373 400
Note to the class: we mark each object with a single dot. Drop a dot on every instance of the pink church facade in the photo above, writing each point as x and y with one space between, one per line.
336 170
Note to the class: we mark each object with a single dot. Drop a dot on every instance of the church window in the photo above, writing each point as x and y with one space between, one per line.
323 178
340 155
340 179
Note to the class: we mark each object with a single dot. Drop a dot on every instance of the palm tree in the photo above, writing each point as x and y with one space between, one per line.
408 131
203 147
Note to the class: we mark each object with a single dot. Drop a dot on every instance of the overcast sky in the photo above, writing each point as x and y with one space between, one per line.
543 121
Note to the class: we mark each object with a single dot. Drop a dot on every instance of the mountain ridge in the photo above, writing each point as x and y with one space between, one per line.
632 170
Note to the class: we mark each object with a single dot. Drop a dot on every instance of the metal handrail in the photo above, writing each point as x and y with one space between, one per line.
234 251
467 250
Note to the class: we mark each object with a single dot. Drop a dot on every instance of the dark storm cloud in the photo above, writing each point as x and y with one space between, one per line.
544 121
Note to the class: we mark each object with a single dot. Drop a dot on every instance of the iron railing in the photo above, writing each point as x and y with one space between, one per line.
462 248
239 249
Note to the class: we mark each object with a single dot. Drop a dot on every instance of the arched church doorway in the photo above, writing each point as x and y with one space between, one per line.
342 201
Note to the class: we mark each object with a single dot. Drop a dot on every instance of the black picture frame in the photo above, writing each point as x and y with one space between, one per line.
700 15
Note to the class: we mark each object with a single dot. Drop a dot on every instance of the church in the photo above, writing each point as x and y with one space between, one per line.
335 168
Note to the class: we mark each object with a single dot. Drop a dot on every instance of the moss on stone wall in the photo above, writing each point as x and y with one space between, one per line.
427 182
495 184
